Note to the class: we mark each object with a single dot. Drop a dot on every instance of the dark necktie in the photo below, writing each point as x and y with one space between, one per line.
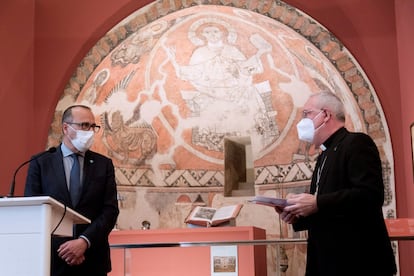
75 184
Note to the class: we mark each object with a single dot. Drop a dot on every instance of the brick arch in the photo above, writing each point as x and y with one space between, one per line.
304 25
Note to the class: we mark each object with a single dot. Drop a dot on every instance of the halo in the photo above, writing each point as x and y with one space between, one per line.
192 34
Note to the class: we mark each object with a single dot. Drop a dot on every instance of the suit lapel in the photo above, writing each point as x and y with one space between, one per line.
88 168
332 153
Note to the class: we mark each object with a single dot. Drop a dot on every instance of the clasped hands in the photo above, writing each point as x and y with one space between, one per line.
72 252
298 205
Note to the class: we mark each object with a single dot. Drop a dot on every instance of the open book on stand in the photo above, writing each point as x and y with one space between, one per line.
269 201
208 216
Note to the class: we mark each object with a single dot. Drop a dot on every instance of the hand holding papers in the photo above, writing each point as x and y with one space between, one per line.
278 204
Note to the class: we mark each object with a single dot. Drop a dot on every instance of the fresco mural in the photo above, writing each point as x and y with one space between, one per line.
167 92
179 85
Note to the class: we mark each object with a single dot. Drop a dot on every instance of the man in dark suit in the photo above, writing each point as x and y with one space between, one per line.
87 253
343 211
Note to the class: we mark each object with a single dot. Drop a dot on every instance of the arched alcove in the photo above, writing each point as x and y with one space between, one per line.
170 83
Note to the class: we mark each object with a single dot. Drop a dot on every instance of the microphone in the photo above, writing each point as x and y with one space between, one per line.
13 183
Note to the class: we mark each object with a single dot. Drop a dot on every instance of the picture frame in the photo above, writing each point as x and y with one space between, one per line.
412 144
224 260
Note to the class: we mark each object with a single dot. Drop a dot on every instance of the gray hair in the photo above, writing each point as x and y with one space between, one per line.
330 101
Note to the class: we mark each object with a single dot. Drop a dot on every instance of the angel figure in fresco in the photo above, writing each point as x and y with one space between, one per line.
223 80
99 80
140 43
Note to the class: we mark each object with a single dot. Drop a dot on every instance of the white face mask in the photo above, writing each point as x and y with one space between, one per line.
83 139
306 129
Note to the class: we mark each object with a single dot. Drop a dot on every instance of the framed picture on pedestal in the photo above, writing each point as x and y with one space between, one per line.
224 260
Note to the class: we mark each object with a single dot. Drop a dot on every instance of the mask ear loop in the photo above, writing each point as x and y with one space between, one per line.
327 114
324 120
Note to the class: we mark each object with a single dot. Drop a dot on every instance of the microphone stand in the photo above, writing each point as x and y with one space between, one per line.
13 183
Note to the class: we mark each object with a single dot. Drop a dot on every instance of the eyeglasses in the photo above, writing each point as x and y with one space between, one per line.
305 113
86 126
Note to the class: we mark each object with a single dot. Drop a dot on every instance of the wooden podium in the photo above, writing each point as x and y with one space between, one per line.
25 233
